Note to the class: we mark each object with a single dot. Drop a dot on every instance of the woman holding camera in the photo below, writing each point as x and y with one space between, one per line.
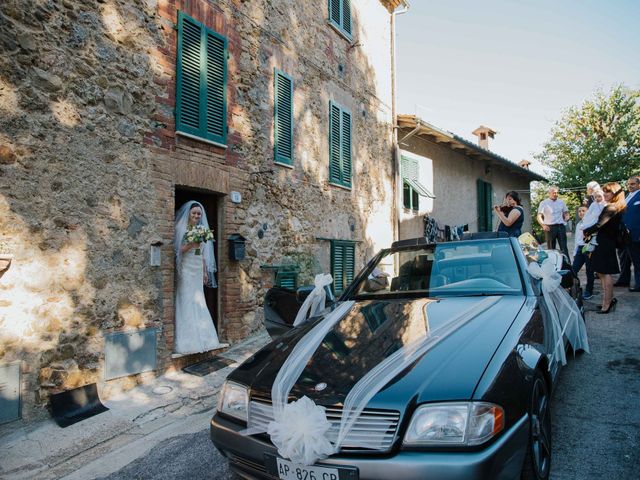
511 214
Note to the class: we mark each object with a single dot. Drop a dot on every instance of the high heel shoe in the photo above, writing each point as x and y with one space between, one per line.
610 308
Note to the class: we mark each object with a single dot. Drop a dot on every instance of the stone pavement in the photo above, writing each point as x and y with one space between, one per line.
137 420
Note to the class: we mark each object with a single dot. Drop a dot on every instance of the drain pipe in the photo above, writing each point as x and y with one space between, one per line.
397 204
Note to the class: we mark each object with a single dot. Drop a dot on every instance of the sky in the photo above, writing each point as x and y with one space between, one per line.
514 66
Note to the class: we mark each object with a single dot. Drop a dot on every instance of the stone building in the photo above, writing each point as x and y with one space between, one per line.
453 181
275 115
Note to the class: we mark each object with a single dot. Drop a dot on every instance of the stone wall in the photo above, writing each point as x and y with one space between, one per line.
90 163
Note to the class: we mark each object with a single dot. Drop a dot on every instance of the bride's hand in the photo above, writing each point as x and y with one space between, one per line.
205 278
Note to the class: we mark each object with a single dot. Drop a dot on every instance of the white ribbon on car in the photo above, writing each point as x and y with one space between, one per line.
314 303
566 318
299 428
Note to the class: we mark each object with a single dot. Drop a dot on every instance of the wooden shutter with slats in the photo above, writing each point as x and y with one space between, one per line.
201 81
283 111
342 264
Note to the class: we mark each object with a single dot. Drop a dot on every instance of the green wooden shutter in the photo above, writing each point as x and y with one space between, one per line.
342 264
201 81
287 279
216 111
188 81
482 217
340 15
337 267
283 118
346 148
335 140
488 200
334 12
346 16
349 263
485 209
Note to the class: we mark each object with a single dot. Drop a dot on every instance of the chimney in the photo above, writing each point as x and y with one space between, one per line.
524 163
484 134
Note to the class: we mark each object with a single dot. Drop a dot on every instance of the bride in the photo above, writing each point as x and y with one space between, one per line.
195 331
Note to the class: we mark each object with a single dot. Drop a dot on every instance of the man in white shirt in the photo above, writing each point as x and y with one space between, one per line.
552 217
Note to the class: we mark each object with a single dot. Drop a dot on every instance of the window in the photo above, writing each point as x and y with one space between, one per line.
340 16
201 83
283 119
339 145
410 197
342 264
412 189
485 210
287 278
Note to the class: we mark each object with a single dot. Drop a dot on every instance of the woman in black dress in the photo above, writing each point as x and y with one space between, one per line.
604 259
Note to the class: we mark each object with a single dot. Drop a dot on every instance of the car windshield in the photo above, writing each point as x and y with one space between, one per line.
474 267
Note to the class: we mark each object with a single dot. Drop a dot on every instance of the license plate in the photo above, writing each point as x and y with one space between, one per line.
287 470
290 471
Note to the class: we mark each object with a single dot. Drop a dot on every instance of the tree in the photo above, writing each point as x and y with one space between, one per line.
599 140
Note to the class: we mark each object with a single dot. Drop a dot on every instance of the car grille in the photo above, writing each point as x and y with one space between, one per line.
374 429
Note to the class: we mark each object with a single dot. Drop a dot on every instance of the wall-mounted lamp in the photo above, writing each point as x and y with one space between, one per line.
154 252
487 170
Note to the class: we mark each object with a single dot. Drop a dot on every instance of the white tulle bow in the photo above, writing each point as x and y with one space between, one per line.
314 303
551 279
300 432
565 317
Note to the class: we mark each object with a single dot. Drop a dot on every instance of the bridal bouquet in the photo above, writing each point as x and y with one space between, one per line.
198 234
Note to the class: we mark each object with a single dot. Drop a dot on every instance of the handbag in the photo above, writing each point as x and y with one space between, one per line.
623 237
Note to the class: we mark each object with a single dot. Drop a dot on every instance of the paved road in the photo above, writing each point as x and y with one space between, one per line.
596 408
596 412
191 457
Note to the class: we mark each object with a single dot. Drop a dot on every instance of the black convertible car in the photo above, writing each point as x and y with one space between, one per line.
475 406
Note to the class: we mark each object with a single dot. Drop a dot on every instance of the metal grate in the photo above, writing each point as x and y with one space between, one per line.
374 429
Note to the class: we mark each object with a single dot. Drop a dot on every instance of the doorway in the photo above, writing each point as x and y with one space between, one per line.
210 203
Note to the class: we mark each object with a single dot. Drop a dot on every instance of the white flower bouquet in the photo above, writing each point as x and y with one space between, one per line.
198 234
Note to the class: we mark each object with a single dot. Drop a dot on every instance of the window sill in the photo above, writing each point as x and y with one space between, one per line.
200 139
281 164
344 187
348 37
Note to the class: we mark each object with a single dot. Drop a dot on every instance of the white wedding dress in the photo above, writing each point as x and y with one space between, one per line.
195 331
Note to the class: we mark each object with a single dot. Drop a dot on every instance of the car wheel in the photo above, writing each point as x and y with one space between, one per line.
537 464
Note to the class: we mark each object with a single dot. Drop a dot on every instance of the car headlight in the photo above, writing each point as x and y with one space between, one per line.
234 400
459 423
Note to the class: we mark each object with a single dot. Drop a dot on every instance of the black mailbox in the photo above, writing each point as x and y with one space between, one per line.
236 247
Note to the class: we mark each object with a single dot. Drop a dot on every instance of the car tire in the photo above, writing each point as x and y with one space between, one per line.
537 463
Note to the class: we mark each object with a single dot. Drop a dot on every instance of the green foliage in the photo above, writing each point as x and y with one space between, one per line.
600 140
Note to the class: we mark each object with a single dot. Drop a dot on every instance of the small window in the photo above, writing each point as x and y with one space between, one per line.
287 279
283 119
201 81
342 264
412 189
339 145
410 197
340 16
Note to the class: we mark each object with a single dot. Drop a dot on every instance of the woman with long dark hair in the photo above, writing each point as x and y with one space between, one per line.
603 258
511 214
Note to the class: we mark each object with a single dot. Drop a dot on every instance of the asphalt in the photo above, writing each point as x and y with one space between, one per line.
169 407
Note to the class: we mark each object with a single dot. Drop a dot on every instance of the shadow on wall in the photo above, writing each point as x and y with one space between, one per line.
76 94
298 205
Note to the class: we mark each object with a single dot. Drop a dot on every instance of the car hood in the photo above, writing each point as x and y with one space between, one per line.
372 330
